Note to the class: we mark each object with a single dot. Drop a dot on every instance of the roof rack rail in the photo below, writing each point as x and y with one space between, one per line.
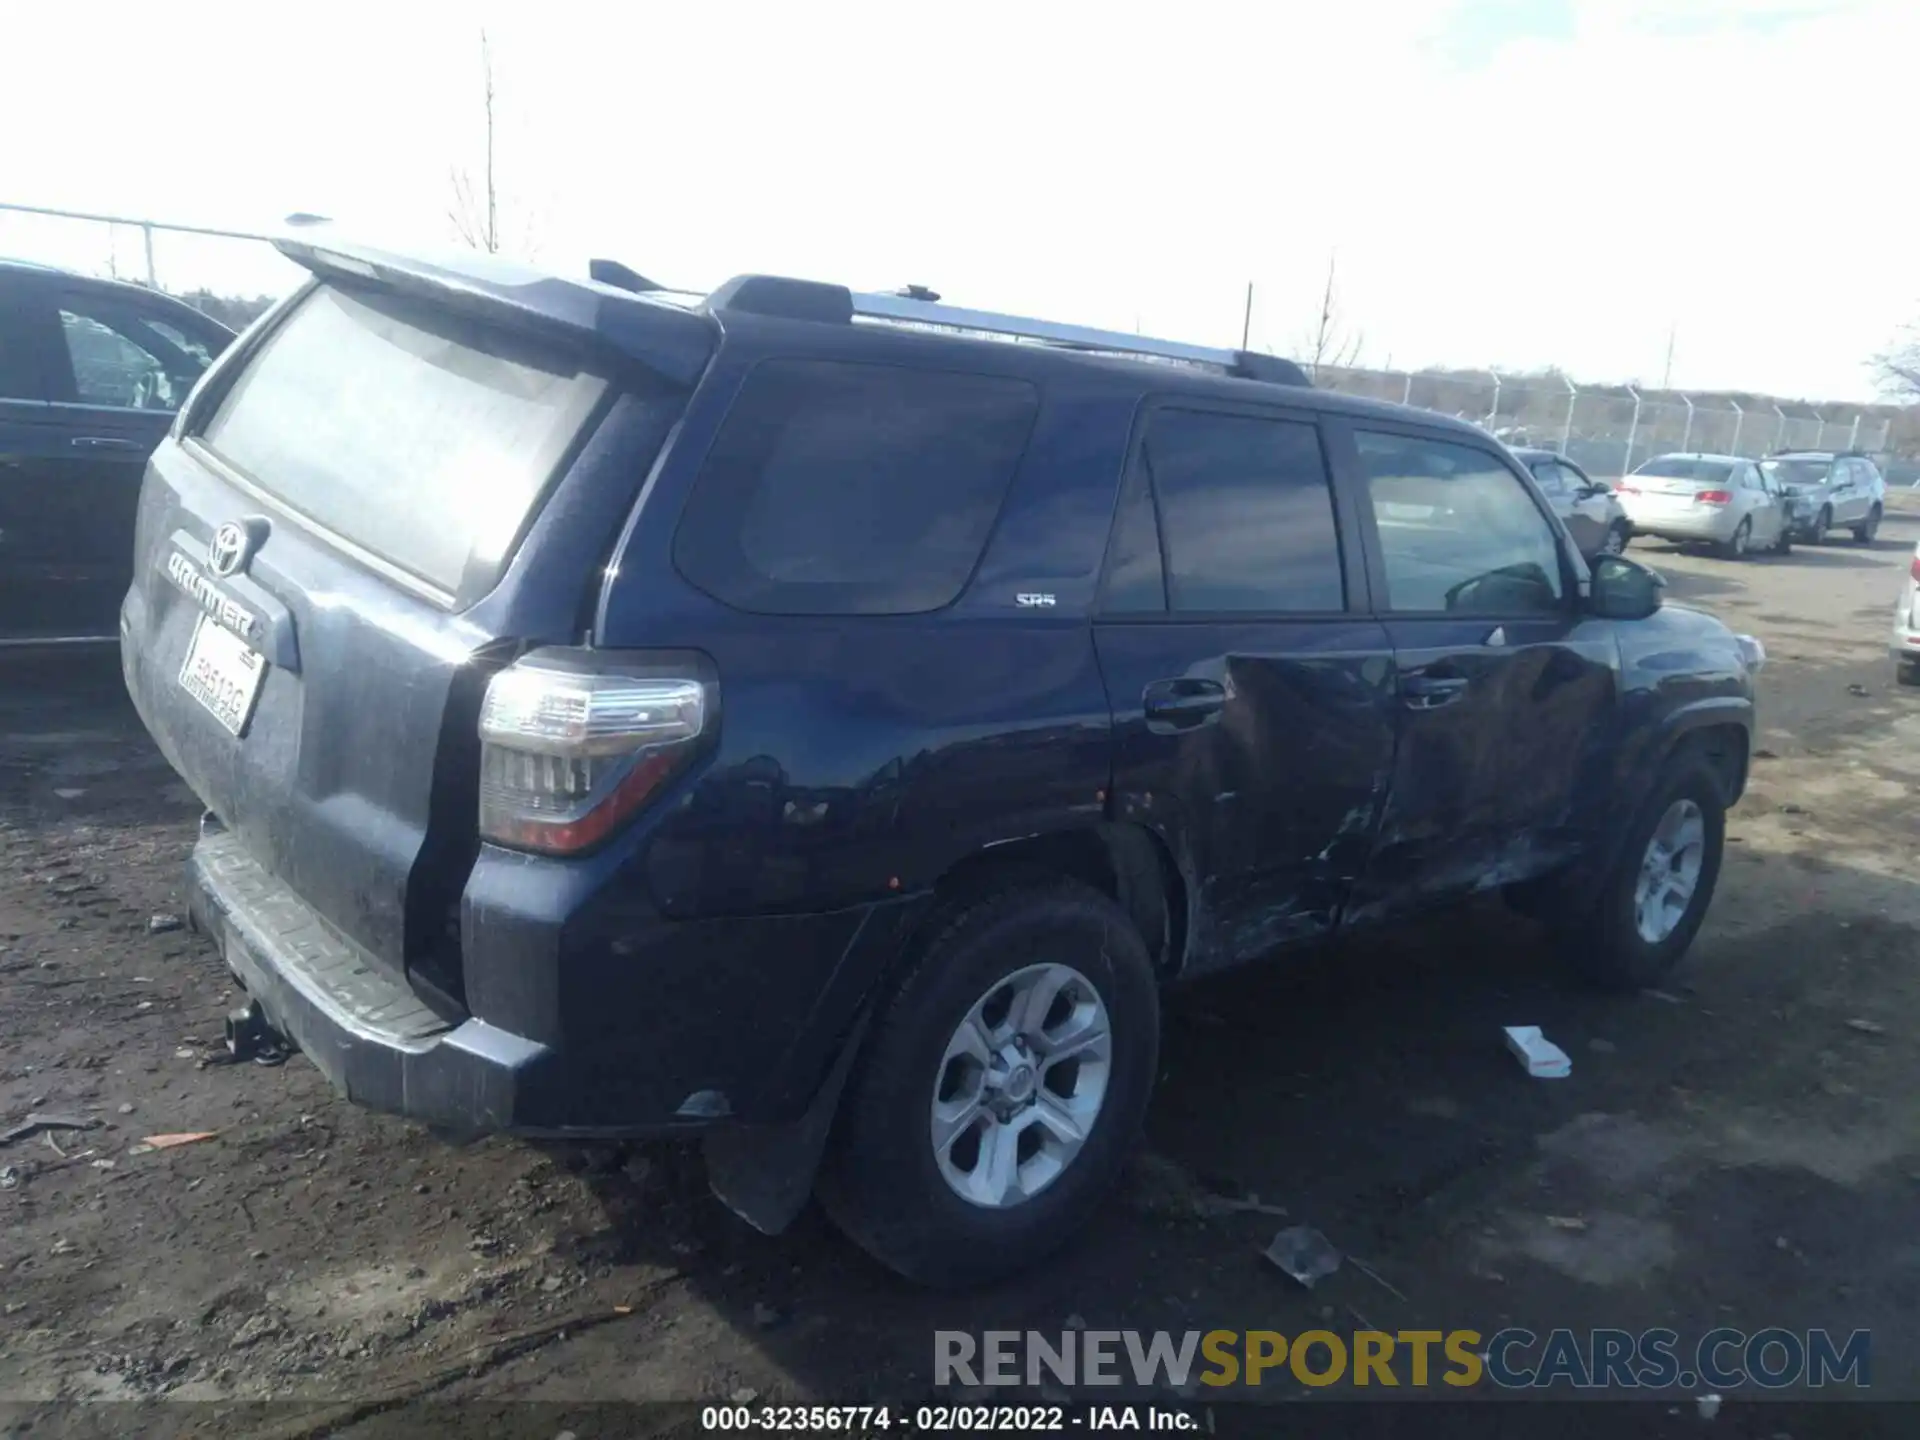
621 277
912 310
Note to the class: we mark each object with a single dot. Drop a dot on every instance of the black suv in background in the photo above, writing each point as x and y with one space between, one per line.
91 373
808 719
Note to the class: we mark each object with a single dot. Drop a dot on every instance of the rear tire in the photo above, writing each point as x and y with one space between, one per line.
1821 524
1864 532
884 1183
1633 932
1736 548
1906 672
1784 545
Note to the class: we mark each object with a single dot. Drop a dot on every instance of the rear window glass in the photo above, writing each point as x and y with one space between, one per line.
1682 467
851 489
419 443
1798 472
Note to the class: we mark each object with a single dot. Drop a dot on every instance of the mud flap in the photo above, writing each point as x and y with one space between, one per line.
764 1173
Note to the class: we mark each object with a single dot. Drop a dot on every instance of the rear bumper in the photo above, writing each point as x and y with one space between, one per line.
661 1053
1716 525
368 1034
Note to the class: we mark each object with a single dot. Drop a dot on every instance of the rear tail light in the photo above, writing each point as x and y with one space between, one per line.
573 742
1714 497
1625 489
1914 569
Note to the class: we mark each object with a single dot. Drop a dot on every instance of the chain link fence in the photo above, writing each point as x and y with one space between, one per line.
1608 429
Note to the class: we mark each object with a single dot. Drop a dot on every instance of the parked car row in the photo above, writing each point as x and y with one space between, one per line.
1740 506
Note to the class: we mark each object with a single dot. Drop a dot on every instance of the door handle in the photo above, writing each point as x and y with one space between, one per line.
103 442
1183 704
1429 692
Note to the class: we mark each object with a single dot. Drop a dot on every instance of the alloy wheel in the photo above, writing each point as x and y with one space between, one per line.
1669 871
1021 1085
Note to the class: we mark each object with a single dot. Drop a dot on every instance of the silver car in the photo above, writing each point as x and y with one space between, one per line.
1587 507
1720 500
1830 491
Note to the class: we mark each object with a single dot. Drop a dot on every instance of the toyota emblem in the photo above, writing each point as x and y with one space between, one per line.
229 548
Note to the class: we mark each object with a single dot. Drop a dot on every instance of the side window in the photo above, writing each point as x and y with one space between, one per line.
1246 512
1551 478
852 489
124 360
1458 531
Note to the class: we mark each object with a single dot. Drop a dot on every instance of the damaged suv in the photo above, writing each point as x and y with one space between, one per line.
809 719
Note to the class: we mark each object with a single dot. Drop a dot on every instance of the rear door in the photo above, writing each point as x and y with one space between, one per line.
1252 696
376 502
1505 692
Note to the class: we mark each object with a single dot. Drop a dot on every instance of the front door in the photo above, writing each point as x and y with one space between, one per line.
1506 693
1251 693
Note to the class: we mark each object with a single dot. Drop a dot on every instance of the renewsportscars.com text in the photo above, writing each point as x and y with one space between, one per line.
1512 1359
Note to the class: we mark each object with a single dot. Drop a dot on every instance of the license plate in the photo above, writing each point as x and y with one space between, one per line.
223 674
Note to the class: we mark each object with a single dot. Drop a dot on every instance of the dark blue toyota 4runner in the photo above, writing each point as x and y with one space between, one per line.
826 721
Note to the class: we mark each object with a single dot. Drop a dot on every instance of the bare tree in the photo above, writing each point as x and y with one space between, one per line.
476 217
1330 343
1898 369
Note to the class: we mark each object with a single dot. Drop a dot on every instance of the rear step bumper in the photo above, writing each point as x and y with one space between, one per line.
368 1033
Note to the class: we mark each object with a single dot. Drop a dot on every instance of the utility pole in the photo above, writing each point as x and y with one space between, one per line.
1246 319
1666 375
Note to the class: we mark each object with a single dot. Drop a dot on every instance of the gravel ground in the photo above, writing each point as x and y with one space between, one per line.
1743 1148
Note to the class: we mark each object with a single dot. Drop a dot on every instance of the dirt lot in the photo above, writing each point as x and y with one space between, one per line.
1743 1149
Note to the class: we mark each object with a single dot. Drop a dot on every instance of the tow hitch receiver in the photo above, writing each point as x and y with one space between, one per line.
250 1037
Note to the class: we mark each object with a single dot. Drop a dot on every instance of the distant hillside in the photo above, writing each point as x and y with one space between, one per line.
236 312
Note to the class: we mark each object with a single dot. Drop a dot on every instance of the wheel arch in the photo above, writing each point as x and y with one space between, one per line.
1126 862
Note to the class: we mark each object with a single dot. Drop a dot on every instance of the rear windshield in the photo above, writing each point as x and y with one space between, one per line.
421 443
852 489
1798 472
1682 467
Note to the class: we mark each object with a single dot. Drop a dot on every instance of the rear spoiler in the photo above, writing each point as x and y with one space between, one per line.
673 342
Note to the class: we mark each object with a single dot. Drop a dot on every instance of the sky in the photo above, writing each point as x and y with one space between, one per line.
1510 184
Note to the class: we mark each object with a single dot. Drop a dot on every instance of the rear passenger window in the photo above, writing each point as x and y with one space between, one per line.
1458 531
850 489
1246 513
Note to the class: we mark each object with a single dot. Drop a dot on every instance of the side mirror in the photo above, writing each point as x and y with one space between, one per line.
1624 589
